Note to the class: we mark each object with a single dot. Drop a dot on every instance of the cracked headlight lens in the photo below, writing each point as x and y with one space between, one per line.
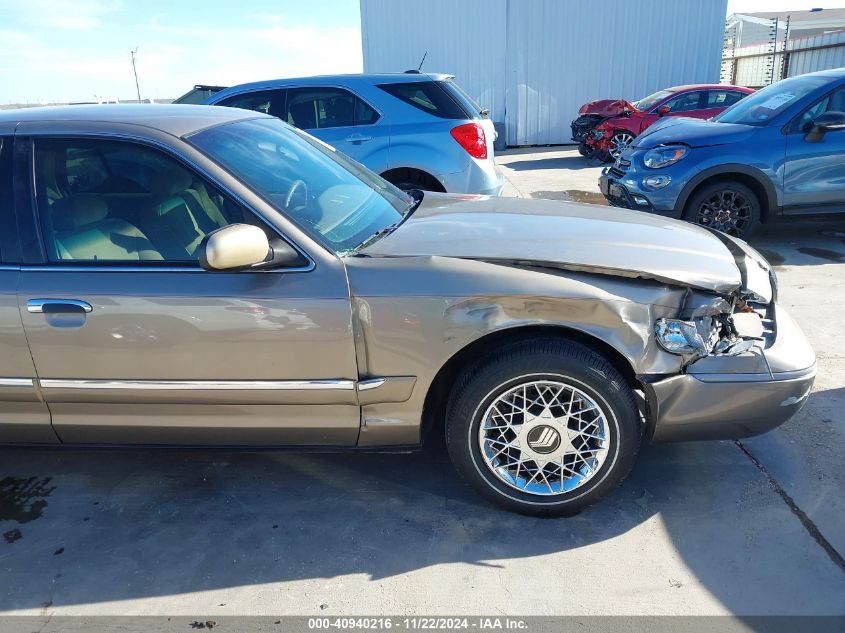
697 337
598 135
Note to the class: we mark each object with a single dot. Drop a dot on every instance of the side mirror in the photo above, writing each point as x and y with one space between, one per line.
826 122
664 110
234 247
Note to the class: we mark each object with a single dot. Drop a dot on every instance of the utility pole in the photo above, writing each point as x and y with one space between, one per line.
135 71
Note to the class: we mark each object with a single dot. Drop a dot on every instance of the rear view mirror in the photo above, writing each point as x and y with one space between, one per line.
234 247
826 122
664 110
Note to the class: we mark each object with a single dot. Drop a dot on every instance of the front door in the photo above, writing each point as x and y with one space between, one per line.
134 343
814 174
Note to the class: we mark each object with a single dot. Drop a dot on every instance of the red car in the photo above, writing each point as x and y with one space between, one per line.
623 121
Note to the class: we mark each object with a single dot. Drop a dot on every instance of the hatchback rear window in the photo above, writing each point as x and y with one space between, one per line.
428 96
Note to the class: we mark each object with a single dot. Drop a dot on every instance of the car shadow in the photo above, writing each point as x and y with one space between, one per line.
802 243
108 525
575 162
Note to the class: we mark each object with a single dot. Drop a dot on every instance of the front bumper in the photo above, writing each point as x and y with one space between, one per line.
729 397
625 190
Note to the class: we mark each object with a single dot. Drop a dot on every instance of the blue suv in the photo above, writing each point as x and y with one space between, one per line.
417 130
778 152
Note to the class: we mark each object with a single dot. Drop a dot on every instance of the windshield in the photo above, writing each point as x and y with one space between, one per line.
765 104
647 103
330 196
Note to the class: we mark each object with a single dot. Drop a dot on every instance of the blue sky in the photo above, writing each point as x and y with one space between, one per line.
60 50
74 50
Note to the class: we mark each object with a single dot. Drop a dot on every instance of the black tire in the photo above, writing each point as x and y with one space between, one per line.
539 359
740 221
585 150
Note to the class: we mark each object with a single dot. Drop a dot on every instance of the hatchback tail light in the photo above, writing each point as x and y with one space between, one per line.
471 137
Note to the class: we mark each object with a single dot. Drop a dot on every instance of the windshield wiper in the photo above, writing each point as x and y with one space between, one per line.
375 237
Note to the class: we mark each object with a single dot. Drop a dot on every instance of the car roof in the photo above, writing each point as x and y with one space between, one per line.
707 87
369 78
834 73
178 120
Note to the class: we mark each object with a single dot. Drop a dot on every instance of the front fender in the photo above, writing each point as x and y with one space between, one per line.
773 201
413 314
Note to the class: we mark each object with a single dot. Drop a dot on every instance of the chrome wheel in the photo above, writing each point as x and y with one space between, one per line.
544 437
618 143
728 210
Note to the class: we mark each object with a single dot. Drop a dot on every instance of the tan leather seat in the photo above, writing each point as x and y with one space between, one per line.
82 231
180 219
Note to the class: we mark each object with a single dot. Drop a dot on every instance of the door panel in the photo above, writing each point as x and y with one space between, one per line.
160 339
814 176
134 343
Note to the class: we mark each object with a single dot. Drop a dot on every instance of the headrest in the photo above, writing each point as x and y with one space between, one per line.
74 212
166 184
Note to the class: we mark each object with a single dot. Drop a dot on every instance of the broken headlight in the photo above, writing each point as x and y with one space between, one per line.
597 135
688 338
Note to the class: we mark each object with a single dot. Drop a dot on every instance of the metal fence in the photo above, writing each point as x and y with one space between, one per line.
780 57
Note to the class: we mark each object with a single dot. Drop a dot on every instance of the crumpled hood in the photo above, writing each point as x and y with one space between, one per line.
571 236
692 132
606 107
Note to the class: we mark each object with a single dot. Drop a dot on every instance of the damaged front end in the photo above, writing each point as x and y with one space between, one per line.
746 366
717 326
592 114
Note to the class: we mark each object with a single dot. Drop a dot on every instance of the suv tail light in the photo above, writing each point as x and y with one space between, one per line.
471 137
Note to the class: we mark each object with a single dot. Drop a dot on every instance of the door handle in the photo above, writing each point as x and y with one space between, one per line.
358 138
57 306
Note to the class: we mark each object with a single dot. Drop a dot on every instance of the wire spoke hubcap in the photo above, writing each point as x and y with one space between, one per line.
544 437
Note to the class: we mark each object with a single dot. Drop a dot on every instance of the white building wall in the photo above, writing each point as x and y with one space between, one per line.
535 62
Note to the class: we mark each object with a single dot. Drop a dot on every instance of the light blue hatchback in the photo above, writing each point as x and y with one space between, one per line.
419 131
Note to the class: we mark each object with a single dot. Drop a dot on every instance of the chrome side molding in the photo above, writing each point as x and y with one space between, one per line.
16 382
177 385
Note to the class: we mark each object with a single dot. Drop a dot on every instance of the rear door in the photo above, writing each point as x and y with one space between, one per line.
342 119
814 175
135 343
24 416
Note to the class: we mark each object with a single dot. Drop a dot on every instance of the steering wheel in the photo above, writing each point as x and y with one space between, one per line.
296 186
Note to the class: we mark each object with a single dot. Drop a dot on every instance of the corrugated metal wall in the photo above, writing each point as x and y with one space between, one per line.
808 61
535 62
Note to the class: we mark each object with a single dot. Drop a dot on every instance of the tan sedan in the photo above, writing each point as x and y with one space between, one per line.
181 275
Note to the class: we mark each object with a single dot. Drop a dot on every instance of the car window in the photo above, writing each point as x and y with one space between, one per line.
319 108
723 98
646 103
429 97
6 197
330 196
461 96
266 101
686 102
364 114
118 202
834 102
760 107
